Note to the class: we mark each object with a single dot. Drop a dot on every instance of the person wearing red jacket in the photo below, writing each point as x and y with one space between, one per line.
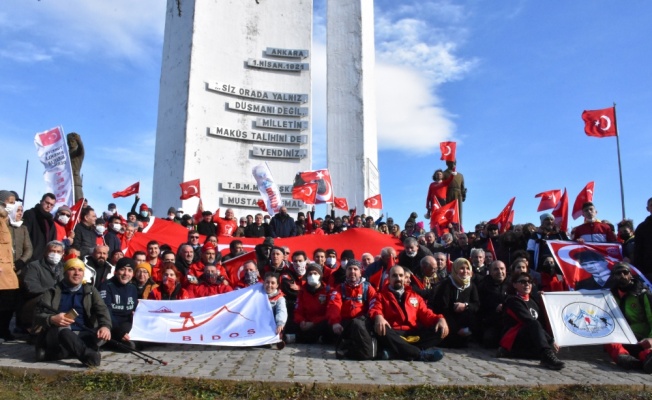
592 230
405 327
225 226
311 304
211 282
170 288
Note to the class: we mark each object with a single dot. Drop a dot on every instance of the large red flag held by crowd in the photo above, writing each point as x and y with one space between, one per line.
130 190
503 219
374 202
358 240
549 199
561 212
600 123
340 203
323 180
587 266
448 150
584 196
190 189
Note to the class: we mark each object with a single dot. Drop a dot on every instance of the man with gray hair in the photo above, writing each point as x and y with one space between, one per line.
376 272
477 263
411 255
38 277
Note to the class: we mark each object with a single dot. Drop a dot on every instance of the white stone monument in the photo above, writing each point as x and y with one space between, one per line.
235 92
351 102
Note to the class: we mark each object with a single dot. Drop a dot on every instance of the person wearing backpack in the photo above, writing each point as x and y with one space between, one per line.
404 325
347 314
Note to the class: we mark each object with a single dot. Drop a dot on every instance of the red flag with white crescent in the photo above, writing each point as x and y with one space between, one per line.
198 214
234 267
130 190
306 193
448 150
340 203
324 184
374 202
446 214
549 199
585 195
502 220
190 189
75 213
561 212
600 123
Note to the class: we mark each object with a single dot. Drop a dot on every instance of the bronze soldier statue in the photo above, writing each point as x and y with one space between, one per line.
76 149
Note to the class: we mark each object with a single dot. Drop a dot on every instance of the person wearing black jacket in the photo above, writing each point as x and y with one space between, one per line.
121 298
493 293
40 225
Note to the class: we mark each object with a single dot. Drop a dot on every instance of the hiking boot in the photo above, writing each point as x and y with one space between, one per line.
384 355
550 360
39 353
502 353
647 365
432 354
628 362
91 358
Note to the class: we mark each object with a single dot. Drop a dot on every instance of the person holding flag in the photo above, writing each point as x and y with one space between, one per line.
592 230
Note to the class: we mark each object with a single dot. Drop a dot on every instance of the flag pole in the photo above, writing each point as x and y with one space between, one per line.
620 168
25 182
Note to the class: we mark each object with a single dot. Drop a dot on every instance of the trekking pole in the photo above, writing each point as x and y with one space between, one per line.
143 356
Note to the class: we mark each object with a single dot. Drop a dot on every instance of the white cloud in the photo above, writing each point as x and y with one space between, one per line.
410 116
119 28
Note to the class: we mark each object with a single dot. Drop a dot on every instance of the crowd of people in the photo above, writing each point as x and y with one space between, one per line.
71 291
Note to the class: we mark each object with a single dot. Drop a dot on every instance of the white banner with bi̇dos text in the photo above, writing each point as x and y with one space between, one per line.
586 317
239 318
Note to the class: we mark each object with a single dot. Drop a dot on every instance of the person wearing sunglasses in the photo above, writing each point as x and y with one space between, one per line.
523 333
635 301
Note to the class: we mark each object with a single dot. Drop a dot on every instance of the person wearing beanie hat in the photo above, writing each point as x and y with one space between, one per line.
144 212
143 280
547 231
78 307
121 298
311 307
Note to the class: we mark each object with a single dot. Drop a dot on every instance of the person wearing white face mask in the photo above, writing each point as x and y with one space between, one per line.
411 256
20 238
111 233
39 276
61 219
311 305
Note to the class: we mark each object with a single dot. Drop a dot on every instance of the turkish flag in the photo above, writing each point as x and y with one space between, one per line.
75 212
190 189
561 212
235 269
340 203
374 202
600 123
502 220
324 185
306 193
549 199
133 189
490 248
447 214
198 214
50 137
584 195
448 150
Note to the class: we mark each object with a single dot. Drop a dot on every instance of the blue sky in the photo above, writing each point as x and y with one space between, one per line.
506 80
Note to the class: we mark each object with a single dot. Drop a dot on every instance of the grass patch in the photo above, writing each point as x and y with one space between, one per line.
98 386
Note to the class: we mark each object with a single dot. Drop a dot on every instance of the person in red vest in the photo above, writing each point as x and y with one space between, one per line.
405 327
211 282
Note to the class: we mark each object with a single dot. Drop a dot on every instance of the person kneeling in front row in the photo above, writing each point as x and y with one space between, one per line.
405 327
73 319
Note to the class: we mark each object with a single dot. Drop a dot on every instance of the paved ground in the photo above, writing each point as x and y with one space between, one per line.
317 363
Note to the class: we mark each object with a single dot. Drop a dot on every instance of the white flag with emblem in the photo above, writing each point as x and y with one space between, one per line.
586 317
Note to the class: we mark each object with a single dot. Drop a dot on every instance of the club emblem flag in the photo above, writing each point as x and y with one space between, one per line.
600 123
448 150
190 189
268 188
586 318
239 318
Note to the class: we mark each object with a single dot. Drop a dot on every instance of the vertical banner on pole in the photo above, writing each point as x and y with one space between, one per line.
52 150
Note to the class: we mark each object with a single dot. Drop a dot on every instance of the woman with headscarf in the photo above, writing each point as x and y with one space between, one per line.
21 244
8 278
457 299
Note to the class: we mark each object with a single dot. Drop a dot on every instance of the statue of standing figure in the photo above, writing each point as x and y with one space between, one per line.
456 189
76 149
